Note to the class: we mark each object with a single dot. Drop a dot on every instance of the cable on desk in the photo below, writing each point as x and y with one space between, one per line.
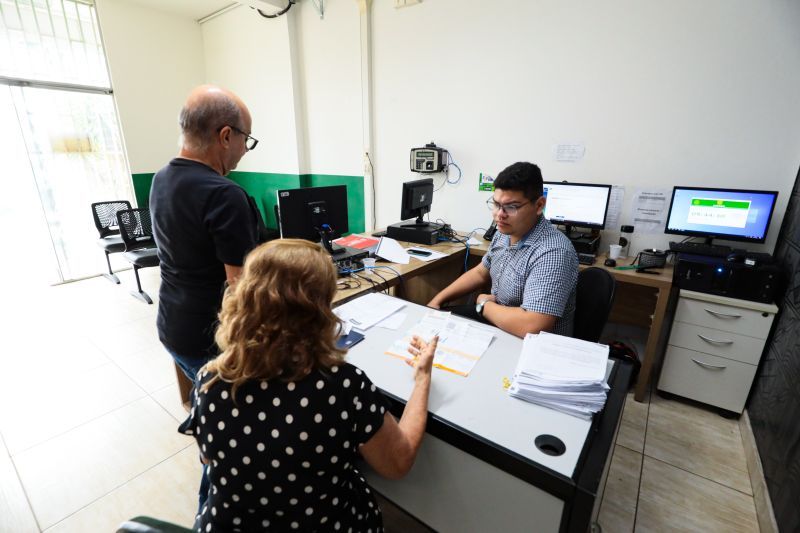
342 284
385 281
399 276
372 281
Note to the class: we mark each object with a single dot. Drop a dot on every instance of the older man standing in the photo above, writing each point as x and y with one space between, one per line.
203 223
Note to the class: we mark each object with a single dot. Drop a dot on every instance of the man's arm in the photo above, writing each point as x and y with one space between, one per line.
470 281
232 274
516 320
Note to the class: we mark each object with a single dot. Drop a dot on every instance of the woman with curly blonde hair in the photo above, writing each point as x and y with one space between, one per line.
280 417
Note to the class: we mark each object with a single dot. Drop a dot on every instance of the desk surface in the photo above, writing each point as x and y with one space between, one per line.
477 404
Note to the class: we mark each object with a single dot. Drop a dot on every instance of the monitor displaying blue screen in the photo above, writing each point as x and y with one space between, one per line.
731 214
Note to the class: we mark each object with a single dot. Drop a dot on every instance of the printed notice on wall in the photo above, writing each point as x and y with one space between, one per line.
614 211
568 152
649 209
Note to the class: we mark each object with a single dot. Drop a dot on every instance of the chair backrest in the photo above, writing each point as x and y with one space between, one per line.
105 216
136 229
593 299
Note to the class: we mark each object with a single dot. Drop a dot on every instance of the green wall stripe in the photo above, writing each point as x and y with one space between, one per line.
141 188
263 185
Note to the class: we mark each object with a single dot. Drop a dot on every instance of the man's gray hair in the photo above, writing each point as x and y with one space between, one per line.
200 123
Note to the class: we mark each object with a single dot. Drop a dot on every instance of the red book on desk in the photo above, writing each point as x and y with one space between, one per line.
358 242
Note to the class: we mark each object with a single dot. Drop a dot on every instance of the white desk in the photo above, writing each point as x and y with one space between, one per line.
478 468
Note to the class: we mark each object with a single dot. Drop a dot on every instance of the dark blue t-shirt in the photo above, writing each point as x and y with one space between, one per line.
201 221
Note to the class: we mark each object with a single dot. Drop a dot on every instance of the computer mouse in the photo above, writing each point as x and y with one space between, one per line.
736 257
610 262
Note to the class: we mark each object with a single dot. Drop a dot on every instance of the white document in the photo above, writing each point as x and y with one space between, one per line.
562 358
391 250
393 321
433 253
472 241
649 210
461 342
568 152
368 310
615 207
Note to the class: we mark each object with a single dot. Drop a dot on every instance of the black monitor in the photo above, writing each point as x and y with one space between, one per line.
417 199
580 205
317 214
729 214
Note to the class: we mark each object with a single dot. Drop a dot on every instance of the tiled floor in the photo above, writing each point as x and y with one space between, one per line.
677 467
89 410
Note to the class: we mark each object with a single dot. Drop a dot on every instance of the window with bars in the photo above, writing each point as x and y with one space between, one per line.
53 62
52 40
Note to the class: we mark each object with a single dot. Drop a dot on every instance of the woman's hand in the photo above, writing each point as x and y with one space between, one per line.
423 356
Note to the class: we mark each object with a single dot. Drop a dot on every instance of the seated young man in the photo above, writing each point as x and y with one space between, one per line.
531 266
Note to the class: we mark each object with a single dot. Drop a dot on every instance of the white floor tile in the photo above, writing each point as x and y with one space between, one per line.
73 470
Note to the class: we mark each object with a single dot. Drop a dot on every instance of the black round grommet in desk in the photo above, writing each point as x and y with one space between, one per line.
550 445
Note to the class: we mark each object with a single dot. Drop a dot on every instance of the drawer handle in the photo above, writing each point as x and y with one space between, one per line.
710 367
713 341
721 315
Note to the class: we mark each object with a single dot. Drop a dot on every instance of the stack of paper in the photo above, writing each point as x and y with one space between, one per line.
562 373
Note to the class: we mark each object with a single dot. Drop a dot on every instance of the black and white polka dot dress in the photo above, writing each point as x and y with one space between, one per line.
282 458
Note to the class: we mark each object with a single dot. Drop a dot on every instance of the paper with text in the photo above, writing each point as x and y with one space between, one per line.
461 342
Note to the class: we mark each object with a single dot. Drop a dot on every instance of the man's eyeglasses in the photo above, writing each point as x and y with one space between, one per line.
508 209
250 142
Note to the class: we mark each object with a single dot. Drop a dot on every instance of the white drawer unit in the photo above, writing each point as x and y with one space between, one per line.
714 348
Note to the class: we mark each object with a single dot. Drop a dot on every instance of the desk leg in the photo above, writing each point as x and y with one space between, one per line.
184 388
650 351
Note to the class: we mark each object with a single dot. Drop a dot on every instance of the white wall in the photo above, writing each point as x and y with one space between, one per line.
249 55
155 59
703 94
691 93
331 78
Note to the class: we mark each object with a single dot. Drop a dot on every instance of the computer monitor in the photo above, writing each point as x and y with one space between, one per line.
417 199
730 214
313 213
580 205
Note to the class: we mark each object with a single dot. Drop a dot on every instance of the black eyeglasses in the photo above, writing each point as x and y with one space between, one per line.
250 142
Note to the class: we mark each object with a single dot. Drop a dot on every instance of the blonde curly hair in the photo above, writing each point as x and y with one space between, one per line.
276 321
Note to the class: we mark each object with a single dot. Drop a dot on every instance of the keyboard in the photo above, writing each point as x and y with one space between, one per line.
700 248
586 259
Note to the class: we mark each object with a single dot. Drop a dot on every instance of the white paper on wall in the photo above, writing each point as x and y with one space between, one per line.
615 208
649 209
568 152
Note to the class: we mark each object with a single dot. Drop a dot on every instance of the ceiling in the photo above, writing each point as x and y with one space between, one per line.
195 9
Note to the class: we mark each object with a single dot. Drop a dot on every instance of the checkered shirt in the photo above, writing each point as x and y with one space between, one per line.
538 273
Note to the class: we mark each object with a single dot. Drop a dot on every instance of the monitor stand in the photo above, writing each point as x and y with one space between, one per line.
419 231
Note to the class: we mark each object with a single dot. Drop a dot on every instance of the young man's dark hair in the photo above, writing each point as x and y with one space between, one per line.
521 176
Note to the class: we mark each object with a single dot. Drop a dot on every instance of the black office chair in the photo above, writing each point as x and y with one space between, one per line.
140 247
105 220
145 524
593 300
